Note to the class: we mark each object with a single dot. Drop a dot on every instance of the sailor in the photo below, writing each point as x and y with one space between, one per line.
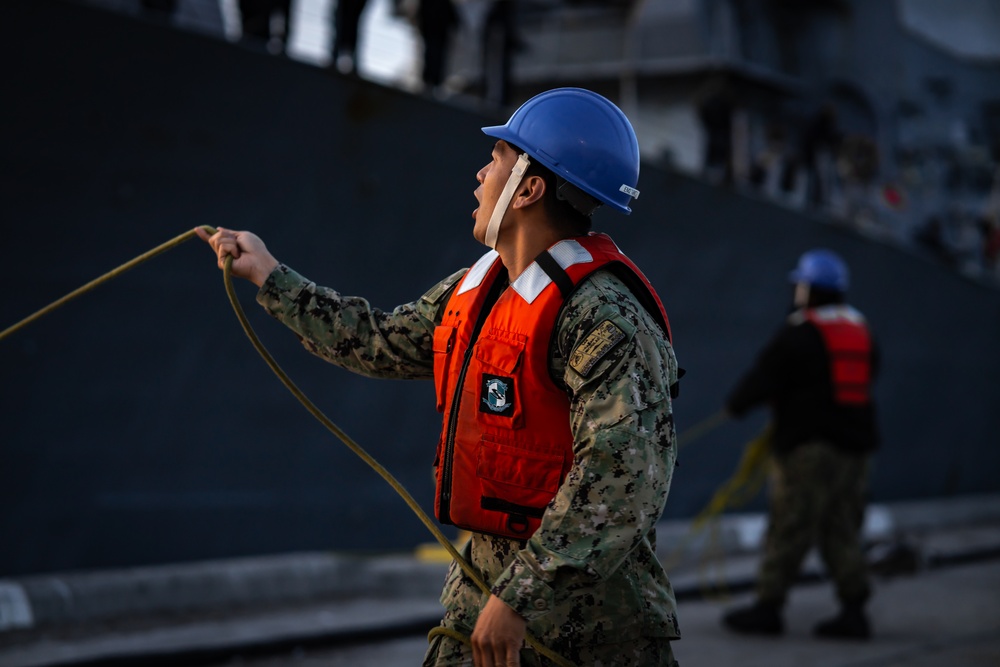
553 370
816 373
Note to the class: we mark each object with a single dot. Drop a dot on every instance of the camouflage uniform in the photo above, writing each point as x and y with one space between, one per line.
588 581
817 496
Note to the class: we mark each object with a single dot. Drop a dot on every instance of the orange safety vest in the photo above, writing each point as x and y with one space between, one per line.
849 350
506 444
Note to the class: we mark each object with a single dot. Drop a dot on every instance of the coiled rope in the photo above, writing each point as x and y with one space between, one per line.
744 484
308 404
738 490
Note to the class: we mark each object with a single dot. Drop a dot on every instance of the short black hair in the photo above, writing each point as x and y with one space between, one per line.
563 200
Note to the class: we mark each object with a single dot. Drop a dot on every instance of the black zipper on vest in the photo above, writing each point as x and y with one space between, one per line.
444 508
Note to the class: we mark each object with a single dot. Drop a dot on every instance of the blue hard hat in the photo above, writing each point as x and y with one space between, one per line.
582 137
823 269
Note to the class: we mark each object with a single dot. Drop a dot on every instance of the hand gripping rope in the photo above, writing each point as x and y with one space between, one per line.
304 400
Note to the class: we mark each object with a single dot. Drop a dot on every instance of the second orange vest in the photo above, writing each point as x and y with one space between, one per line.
849 349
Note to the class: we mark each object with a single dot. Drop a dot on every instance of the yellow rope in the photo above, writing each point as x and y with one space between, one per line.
303 399
449 632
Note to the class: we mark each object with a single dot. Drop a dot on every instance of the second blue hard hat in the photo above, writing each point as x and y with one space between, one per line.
582 137
821 268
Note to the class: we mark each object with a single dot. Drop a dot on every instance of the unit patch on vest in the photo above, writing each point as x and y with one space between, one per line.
496 397
598 343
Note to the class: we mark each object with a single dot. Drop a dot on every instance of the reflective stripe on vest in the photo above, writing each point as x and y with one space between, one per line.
506 445
849 349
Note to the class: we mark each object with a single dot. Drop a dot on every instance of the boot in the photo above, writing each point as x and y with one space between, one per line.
850 623
760 618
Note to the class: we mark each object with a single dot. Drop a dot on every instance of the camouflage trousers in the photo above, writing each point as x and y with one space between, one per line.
445 651
817 498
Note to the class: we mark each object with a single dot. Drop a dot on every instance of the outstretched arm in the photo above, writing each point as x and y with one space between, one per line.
344 330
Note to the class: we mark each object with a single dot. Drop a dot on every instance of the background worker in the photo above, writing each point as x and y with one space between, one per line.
816 373
553 369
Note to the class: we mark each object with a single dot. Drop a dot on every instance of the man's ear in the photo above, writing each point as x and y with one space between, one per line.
530 190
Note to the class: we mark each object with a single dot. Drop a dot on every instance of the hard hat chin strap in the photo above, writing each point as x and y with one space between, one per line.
500 208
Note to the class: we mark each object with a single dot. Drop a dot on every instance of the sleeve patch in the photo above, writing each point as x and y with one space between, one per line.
598 343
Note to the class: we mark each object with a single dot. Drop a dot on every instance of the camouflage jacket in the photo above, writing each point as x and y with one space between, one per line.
590 573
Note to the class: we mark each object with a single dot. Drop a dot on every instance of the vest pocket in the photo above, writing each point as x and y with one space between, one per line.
518 479
496 370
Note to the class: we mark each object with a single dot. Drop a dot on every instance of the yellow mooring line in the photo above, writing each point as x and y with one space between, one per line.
304 400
